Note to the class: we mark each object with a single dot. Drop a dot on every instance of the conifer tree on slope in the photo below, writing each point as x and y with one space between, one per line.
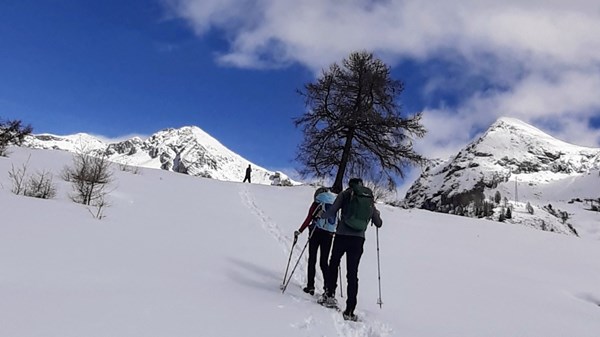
12 132
353 126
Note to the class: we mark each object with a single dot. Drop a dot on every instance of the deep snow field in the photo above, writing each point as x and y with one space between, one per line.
183 256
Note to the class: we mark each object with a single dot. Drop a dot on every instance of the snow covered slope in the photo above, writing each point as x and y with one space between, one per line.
170 261
187 150
522 163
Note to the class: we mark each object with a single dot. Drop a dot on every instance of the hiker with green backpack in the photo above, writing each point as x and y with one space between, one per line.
357 210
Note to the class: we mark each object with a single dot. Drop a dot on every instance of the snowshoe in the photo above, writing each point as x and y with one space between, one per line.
309 290
328 301
349 316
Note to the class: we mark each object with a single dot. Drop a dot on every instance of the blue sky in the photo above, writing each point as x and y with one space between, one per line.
232 67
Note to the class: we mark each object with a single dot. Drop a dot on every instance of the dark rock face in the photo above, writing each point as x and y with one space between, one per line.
128 147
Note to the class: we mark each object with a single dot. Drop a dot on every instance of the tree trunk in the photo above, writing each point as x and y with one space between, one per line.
339 178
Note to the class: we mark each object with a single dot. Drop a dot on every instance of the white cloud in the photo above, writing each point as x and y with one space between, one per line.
540 57
111 140
561 106
318 32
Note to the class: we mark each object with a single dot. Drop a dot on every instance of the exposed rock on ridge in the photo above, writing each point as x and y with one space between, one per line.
187 150
510 156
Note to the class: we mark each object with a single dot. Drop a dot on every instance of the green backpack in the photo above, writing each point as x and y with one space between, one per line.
360 207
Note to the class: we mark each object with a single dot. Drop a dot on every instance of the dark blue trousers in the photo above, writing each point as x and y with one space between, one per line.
320 240
352 246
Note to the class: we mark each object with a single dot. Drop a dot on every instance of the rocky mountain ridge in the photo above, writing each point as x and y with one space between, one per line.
187 150
517 160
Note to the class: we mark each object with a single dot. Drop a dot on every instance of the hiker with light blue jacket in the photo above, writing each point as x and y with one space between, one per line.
321 235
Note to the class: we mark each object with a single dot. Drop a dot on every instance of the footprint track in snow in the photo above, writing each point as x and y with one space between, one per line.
275 231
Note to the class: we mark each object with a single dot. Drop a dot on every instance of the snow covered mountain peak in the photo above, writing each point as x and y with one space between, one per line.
518 147
513 158
187 134
517 124
511 133
187 150
72 143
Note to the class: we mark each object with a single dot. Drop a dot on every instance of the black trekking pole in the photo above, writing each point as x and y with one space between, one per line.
288 263
341 282
299 257
379 301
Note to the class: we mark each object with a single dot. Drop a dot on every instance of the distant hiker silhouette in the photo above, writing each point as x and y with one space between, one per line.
248 172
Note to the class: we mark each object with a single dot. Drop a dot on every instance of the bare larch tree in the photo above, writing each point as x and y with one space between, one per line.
353 124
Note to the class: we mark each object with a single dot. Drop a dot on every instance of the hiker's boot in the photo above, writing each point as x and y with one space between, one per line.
349 316
309 290
327 301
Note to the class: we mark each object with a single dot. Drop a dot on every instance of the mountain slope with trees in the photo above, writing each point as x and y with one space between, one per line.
512 166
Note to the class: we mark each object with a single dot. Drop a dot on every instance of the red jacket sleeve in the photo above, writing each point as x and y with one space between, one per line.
309 217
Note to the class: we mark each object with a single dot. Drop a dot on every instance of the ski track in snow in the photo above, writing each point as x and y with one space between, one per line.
362 328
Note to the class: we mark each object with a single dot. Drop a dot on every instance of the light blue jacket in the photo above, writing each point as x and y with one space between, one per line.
328 224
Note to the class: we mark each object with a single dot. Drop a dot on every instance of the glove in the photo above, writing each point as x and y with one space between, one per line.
296 234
